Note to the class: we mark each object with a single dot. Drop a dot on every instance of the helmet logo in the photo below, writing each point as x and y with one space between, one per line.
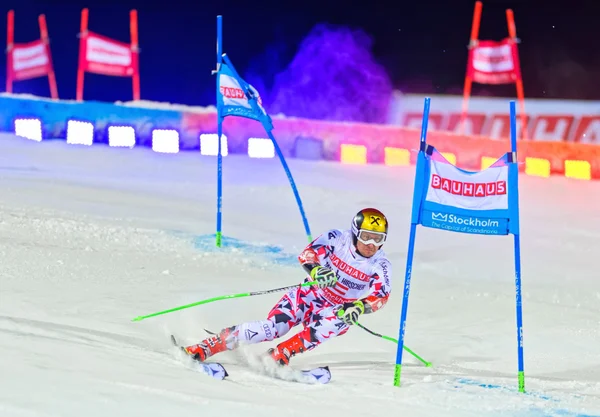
375 220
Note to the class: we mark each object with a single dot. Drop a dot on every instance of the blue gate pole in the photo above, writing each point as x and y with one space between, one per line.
288 173
219 133
409 259
517 245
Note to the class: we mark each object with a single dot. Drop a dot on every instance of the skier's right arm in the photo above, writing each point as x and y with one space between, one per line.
310 258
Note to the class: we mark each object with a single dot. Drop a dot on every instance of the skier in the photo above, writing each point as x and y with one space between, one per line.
352 275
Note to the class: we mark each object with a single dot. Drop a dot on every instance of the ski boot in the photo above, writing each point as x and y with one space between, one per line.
284 351
210 346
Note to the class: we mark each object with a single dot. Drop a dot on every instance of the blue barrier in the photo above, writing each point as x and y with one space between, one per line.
54 115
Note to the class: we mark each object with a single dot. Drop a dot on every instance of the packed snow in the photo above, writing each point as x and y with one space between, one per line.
91 237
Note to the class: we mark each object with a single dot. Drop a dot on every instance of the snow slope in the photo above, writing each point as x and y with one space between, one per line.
92 237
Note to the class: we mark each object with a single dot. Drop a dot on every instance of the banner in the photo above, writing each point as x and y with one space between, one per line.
102 55
233 100
482 202
462 201
29 60
546 119
492 62
235 97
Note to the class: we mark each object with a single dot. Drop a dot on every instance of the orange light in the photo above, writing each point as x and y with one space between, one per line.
537 167
397 156
450 157
353 154
581 170
487 161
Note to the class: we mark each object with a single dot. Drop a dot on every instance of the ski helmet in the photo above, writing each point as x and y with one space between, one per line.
373 222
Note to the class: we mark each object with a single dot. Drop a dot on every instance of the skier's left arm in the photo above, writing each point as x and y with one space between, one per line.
381 287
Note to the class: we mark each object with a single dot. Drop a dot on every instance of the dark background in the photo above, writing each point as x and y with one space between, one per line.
421 44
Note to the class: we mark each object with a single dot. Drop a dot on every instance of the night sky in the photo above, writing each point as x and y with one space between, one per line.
421 44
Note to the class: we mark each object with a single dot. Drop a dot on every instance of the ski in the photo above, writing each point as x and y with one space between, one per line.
212 369
317 375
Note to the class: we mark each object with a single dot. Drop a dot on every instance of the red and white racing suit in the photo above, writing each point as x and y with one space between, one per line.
358 278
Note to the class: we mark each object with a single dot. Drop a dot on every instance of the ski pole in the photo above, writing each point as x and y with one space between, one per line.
391 339
224 297
340 313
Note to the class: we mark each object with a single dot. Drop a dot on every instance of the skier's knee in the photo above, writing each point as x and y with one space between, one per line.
257 331
281 324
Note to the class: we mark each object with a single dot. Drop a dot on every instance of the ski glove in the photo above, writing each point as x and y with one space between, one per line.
350 312
323 276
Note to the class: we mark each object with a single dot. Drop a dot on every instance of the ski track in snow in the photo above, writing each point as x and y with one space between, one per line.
92 237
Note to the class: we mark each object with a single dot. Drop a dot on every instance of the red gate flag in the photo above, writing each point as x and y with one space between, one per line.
28 60
492 62
102 55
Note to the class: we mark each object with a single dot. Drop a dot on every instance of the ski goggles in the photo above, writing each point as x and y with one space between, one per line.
368 237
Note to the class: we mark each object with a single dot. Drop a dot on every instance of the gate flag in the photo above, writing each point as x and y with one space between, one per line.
235 97
483 202
456 200
232 99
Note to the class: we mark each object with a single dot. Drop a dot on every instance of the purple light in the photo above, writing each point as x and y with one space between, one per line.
29 128
165 141
80 132
121 136
333 76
